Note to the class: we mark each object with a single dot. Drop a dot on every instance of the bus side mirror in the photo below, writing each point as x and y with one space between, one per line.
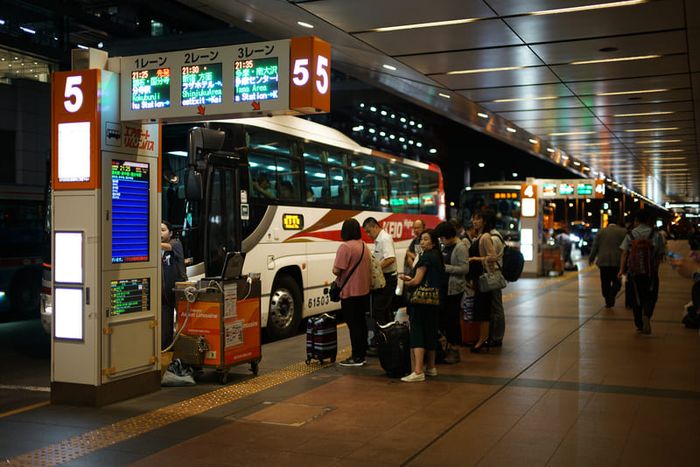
193 186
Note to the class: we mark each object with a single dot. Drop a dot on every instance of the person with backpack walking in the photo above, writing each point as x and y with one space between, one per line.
642 252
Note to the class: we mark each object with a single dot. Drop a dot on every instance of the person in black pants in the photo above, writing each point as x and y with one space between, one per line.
173 271
456 260
606 254
352 267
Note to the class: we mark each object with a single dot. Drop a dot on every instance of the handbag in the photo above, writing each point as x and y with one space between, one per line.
335 289
378 281
425 295
490 281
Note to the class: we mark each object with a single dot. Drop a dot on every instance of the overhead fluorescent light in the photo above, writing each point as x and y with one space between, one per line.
433 24
624 93
178 153
619 59
2 22
569 133
653 141
643 114
565 157
550 150
511 130
81 46
577 163
482 115
389 67
27 30
483 70
654 151
596 6
522 99
640 130
306 25
532 140
442 94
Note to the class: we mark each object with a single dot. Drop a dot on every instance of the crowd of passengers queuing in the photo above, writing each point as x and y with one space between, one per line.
447 261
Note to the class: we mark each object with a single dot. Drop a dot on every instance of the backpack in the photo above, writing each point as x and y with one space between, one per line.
513 261
641 261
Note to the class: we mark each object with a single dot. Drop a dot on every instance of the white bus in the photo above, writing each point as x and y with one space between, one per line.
503 197
278 189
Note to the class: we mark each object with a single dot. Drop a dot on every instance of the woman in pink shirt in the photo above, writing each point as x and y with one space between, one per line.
353 270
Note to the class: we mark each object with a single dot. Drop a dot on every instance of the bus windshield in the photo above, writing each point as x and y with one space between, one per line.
504 202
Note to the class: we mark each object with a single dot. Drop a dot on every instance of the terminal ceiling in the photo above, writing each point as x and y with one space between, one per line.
611 91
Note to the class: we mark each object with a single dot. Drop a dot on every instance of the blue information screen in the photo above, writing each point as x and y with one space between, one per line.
130 187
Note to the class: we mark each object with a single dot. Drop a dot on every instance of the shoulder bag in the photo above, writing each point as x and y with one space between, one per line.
425 295
378 281
334 292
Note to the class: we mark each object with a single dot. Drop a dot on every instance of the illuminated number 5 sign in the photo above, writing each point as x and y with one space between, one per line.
73 94
310 77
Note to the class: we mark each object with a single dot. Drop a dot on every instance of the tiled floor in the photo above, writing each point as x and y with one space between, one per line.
574 385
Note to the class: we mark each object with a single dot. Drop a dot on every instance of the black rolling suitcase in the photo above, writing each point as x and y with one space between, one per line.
321 338
394 348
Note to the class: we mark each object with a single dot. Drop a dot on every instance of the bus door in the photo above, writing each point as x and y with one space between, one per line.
222 226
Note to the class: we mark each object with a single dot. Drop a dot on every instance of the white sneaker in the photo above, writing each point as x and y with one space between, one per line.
413 378
431 372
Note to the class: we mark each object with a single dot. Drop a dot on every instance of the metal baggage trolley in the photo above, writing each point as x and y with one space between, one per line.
226 314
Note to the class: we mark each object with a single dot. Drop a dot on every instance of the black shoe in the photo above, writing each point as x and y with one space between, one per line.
352 362
477 349
372 352
494 343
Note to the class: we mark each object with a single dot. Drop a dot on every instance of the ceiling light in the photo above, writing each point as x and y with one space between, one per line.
514 174
100 45
433 24
27 30
533 140
647 151
306 25
577 163
619 59
643 114
482 115
596 6
511 130
639 130
565 157
432 151
442 94
586 169
623 93
2 21
550 150
483 70
543 98
481 164
81 46
589 144
652 141
389 67
569 133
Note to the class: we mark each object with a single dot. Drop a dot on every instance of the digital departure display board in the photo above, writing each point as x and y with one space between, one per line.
256 79
129 296
130 188
150 89
584 189
549 189
202 84
566 189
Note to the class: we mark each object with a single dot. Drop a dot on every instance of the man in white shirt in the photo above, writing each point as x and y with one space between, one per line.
384 253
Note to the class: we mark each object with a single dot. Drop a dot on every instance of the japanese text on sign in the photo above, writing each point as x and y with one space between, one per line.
150 89
256 79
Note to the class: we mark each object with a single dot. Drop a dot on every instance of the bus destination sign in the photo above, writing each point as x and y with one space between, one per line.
256 80
150 89
202 84
558 189
285 77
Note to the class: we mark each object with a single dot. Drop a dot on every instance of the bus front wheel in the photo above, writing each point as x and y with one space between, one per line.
285 308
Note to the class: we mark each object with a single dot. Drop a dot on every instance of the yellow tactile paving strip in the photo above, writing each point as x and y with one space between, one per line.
78 446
